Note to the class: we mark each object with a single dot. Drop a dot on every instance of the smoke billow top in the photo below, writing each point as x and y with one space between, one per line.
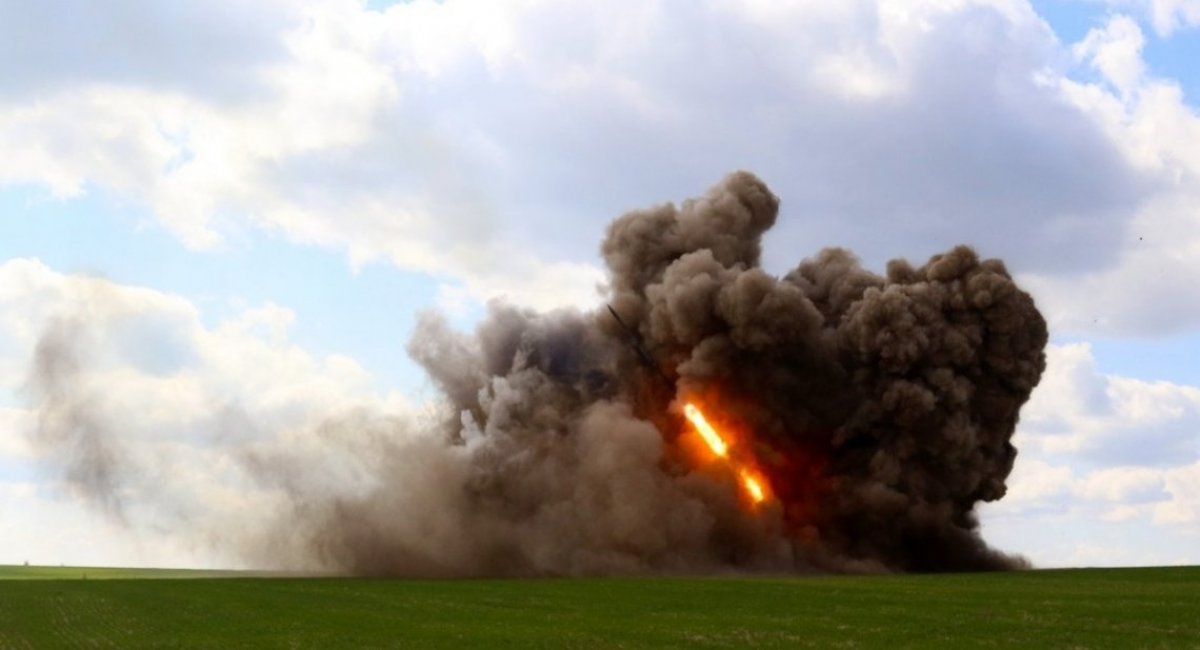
878 411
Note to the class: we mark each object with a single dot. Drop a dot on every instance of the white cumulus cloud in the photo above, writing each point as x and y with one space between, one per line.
487 143
1104 462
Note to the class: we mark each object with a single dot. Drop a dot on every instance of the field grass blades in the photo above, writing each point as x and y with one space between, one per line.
1089 608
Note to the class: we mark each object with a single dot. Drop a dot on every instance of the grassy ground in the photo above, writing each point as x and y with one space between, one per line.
1117 608
8 572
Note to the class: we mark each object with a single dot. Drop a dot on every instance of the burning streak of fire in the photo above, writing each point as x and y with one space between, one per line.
752 484
753 487
706 431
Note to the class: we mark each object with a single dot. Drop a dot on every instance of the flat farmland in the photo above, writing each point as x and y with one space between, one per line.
1084 608
108 573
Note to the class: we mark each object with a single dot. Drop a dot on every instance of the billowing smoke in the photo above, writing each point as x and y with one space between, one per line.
69 422
877 410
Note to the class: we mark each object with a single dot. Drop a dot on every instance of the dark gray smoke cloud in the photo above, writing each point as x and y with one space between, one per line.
878 410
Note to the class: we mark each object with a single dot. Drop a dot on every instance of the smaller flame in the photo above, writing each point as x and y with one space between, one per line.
710 435
753 487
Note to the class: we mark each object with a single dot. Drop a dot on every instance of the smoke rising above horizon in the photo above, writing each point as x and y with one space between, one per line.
878 409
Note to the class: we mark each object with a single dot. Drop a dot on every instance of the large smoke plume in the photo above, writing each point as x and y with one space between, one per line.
879 410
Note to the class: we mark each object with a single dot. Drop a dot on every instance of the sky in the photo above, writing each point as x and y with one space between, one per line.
244 207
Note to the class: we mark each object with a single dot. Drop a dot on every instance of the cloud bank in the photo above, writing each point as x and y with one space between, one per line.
439 136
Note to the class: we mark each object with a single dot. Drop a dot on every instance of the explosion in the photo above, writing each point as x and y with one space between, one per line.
851 421
719 447
874 412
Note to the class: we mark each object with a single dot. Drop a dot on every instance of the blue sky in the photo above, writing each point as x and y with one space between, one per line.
268 223
364 312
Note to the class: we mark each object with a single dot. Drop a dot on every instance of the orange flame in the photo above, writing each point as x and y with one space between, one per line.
753 487
710 435
752 484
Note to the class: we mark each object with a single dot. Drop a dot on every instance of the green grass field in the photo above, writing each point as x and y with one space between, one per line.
1090 608
107 573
